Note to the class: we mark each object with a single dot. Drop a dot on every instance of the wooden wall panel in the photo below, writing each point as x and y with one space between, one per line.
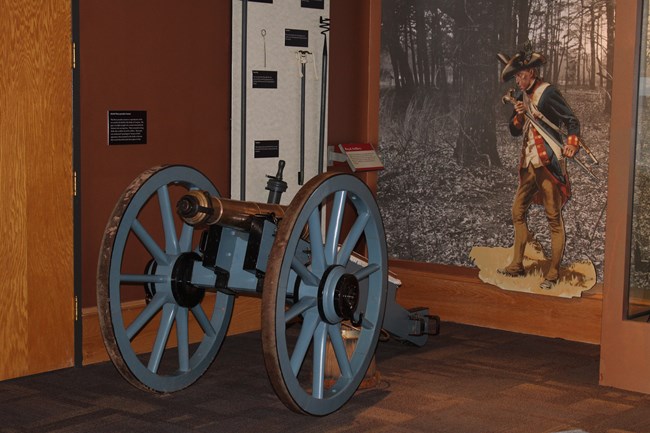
353 113
36 251
458 295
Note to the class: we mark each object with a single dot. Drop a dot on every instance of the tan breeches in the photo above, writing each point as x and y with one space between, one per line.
533 180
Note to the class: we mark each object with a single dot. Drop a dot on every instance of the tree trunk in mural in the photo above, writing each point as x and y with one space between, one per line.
609 10
507 24
440 79
592 36
476 142
522 29
395 39
421 36
388 42
580 54
409 46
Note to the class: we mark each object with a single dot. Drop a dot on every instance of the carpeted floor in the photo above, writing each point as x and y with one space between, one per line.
467 379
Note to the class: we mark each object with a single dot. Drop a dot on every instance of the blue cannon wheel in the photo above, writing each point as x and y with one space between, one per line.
314 288
149 289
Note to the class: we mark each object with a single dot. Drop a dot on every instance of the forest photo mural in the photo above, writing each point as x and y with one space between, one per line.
451 161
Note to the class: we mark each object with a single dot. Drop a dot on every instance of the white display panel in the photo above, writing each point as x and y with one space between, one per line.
272 115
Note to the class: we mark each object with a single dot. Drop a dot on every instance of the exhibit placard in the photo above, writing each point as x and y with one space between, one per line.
267 148
296 38
265 79
361 156
127 127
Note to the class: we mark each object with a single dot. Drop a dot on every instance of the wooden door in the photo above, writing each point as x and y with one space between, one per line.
36 211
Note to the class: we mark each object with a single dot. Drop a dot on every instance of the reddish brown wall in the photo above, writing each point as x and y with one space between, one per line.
173 60
166 57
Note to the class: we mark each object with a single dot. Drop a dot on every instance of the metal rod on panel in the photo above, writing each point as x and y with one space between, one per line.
244 54
301 56
325 25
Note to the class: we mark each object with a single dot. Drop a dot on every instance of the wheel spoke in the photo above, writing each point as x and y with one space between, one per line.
335 224
141 278
166 322
316 241
320 355
307 276
365 272
203 320
303 342
182 335
334 331
353 237
185 242
149 243
171 242
300 307
145 315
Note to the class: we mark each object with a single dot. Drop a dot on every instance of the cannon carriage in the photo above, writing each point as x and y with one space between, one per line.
173 242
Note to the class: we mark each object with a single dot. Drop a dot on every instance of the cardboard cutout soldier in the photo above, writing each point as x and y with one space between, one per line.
543 177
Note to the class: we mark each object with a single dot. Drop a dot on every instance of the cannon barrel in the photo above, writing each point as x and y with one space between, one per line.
199 208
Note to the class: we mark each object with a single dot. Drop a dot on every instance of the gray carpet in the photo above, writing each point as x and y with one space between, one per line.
467 379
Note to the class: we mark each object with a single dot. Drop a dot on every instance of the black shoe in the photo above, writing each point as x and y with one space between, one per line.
511 273
547 284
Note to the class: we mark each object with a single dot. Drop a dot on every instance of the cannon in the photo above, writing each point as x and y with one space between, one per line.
175 256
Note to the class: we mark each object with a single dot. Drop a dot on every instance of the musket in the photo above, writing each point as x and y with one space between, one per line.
545 135
557 129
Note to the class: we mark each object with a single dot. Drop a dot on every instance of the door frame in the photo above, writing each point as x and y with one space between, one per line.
625 344
76 166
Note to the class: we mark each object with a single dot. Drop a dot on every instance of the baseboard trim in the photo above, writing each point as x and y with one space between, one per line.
246 318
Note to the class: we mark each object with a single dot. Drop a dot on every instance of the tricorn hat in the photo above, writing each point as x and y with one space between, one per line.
525 59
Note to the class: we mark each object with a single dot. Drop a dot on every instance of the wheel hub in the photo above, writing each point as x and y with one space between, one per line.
346 296
185 293
150 288
338 295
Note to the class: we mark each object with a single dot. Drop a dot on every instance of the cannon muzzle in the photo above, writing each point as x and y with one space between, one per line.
189 207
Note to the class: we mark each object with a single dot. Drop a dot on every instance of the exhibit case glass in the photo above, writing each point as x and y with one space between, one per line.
638 291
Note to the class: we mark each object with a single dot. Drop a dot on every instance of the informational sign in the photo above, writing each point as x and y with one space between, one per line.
296 38
313 4
267 148
265 79
361 156
127 127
